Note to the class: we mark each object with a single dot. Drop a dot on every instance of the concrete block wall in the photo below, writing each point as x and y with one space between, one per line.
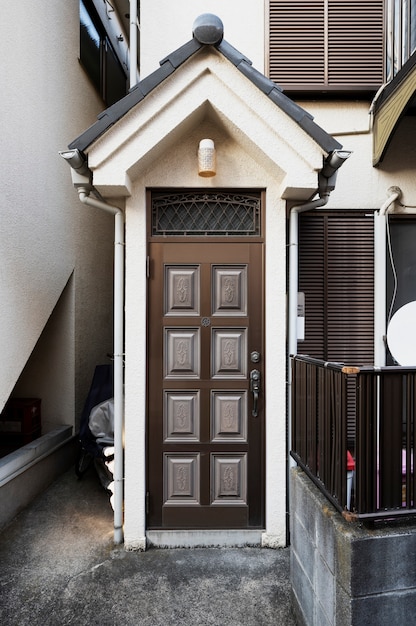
343 573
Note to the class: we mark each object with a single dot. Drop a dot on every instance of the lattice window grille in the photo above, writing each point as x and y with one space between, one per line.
206 214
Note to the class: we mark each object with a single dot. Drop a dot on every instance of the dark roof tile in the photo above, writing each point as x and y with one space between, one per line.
110 116
257 78
327 142
182 54
231 53
288 106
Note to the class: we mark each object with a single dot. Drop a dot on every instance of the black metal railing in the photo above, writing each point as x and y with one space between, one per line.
368 412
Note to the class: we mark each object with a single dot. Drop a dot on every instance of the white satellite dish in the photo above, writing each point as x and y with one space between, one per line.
401 335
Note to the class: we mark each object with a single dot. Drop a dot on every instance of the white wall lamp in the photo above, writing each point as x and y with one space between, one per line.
207 160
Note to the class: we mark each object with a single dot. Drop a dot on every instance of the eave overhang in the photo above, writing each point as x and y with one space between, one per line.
392 103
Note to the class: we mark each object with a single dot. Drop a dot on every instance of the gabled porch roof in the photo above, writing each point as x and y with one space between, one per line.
170 64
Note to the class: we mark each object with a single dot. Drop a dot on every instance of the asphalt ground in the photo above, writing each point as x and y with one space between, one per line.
59 566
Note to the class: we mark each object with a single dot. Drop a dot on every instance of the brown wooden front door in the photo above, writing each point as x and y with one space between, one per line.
205 425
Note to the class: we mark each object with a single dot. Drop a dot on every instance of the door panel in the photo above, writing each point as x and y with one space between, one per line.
205 448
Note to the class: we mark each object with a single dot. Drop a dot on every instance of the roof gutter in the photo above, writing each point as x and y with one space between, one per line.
81 177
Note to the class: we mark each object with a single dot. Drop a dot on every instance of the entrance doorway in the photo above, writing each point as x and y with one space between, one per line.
205 382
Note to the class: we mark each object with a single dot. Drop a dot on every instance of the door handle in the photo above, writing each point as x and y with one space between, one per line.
255 390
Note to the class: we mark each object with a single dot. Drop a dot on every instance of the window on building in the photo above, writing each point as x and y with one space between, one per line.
98 57
401 266
401 34
327 46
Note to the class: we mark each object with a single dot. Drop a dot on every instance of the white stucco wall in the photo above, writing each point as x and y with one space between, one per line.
359 184
46 235
165 26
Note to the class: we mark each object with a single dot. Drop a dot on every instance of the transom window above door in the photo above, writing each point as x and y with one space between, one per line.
197 213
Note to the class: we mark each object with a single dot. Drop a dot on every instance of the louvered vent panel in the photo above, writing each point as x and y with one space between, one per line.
326 44
297 42
355 42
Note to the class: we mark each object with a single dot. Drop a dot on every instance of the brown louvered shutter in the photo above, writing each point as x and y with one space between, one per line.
297 42
336 269
326 45
312 277
350 298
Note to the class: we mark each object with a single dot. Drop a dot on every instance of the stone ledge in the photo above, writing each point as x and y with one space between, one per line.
30 470
19 460
203 538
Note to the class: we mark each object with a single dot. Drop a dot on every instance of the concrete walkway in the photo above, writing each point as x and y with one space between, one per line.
59 566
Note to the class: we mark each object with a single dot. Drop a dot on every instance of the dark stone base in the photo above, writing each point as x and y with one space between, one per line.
344 573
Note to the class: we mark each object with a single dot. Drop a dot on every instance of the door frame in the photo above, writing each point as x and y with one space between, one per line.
178 239
274 224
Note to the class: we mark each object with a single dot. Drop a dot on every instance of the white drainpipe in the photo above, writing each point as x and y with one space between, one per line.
118 353
326 184
293 289
81 178
294 264
133 43
380 265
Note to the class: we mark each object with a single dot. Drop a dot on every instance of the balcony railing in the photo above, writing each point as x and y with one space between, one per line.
370 412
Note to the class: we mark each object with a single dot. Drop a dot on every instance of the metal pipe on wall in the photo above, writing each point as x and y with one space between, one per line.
326 184
380 267
81 178
133 43
118 355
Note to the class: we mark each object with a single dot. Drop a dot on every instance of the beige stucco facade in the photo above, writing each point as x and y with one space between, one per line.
360 185
56 255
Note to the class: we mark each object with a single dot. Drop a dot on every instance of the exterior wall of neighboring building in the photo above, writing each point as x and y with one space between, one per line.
56 254
165 26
